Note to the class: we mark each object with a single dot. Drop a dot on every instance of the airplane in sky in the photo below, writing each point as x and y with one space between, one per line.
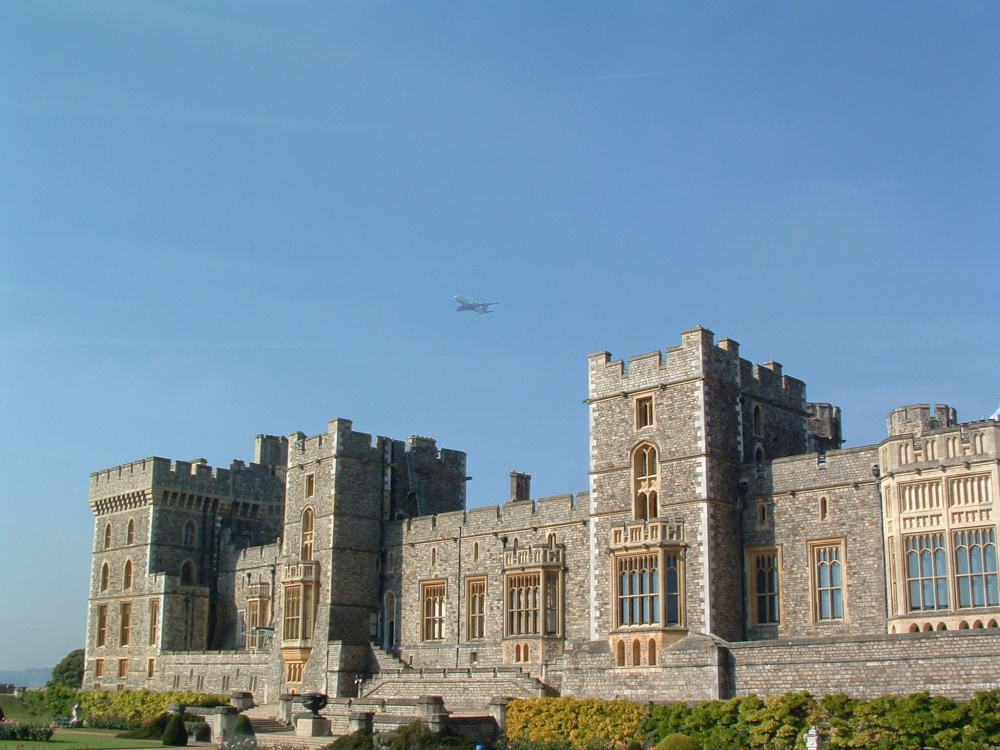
480 307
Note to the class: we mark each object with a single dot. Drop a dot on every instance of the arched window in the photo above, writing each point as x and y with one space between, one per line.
978 443
762 514
517 652
434 556
306 552
551 539
107 536
758 421
190 535
620 660
652 652
526 653
130 534
105 576
475 551
824 508
758 456
645 479
930 450
127 575
636 653
187 573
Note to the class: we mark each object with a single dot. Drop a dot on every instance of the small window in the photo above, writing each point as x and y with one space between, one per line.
758 456
652 652
98 668
107 536
475 551
125 624
105 576
762 514
758 421
150 668
127 576
824 508
187 573
644 412
310 485
122 669
620 654
102 624
190 535
390 563
434 556
130 534
551 539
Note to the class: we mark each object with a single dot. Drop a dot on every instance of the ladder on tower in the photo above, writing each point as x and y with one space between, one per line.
416 485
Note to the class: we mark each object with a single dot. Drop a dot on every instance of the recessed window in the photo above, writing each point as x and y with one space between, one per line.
105 576
645 593
102 624
762 515
390 563
187 573
122 669
644 412
125 624
190 534
475 552
150 668
130 533
926 571
824 508
154 621
764 586
434 556
306 553
310 485
107 536
476 598
432 604
646 482
127 576
98 668
758 421
828 580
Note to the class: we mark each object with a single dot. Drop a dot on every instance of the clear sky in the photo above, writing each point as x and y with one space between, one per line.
220 219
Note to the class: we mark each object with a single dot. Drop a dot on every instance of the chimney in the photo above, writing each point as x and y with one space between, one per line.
520 487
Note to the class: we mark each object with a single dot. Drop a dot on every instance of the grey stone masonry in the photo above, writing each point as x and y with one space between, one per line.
726 544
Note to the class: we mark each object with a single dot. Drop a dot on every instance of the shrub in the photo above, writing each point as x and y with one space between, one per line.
141 704
582 723
15 730
360 740
151 729
678 741
175 734
201 731
244 727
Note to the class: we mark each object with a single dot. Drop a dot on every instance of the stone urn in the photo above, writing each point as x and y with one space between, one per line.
315 702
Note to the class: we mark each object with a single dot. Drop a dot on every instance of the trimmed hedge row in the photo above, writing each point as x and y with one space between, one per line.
141 704
777 722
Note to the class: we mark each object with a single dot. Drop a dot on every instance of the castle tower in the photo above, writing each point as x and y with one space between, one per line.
668 437
342 489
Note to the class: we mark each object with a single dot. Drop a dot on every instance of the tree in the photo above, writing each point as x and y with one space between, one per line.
69 672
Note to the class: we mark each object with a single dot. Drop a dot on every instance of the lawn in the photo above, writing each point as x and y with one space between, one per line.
79 739
14 710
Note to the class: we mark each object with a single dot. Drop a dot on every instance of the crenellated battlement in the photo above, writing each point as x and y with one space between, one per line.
919 418
697 356
516 516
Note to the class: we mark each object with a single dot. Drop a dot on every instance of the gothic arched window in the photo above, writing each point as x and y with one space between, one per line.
645 481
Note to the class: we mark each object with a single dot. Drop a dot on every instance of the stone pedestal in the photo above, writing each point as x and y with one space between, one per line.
813 739
430 709
285 708
222 720
498 710
241 699
310 726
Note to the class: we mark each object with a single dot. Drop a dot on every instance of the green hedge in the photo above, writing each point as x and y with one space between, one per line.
17 731
776 723
141 704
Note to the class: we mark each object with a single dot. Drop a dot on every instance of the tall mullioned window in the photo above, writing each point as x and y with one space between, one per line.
154 621
476 598
125 624
432 603
646 482
976 568
827 560
308 520
764 569
298 612
647 595
523 603
643 412
102 624
926 571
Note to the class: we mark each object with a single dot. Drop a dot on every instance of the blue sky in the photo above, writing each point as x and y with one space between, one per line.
224 219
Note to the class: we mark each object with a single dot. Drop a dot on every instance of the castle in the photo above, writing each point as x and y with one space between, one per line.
726 545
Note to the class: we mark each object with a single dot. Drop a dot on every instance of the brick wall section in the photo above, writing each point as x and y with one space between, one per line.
955 664
791 490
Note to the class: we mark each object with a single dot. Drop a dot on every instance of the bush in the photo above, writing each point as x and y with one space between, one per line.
244 727
360 740
200 729
678 741
175 734
151 729
141 704
581 723
15 730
